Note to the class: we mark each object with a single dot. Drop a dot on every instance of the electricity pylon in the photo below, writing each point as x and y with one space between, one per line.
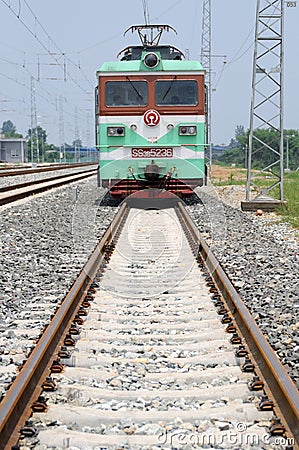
206 44
267 105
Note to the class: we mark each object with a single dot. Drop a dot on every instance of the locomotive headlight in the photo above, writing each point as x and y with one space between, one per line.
192 130
187 130
111 131
115 131
133 127
182 130
151 60
170 126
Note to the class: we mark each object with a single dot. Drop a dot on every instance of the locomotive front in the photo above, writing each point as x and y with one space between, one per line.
150 119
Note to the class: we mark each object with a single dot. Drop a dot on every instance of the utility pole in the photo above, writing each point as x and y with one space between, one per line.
88 138
77 137
267 104
33 122
206 45
61 130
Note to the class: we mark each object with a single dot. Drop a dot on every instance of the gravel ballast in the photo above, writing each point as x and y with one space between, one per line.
262 260
45 242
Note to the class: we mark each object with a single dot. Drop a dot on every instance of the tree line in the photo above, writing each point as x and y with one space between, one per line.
236 152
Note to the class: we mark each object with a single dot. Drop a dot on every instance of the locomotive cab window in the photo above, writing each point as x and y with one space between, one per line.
176 92
126 93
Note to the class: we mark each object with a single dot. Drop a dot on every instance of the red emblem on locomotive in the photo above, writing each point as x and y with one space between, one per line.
151 118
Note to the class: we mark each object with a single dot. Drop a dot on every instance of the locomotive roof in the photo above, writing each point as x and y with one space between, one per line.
169 62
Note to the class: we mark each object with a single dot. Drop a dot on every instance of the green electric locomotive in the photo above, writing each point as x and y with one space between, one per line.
151 118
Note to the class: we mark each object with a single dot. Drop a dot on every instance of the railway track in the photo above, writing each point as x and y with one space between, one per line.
152 348
12 171
9 194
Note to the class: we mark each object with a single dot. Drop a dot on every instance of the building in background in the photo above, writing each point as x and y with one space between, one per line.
13 150
217 150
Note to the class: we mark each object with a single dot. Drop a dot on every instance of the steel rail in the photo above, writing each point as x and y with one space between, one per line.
14 172
15 408
279 383
23 192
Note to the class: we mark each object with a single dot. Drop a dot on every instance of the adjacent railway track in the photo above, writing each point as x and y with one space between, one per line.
9 194
152 348
13 171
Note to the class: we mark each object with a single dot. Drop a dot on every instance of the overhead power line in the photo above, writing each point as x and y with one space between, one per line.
36 37
145 12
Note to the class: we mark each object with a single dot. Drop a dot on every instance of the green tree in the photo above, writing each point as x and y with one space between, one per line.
77 143
261 155
293 146
240 135
36 143
9 130
51 153
233 156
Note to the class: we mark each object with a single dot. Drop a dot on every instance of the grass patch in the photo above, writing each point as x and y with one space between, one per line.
225 176
290 212
229 182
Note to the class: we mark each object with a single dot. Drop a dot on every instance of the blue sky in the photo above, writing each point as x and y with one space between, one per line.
69 40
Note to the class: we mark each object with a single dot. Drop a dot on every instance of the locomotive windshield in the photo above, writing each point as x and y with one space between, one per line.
126 93
176 92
